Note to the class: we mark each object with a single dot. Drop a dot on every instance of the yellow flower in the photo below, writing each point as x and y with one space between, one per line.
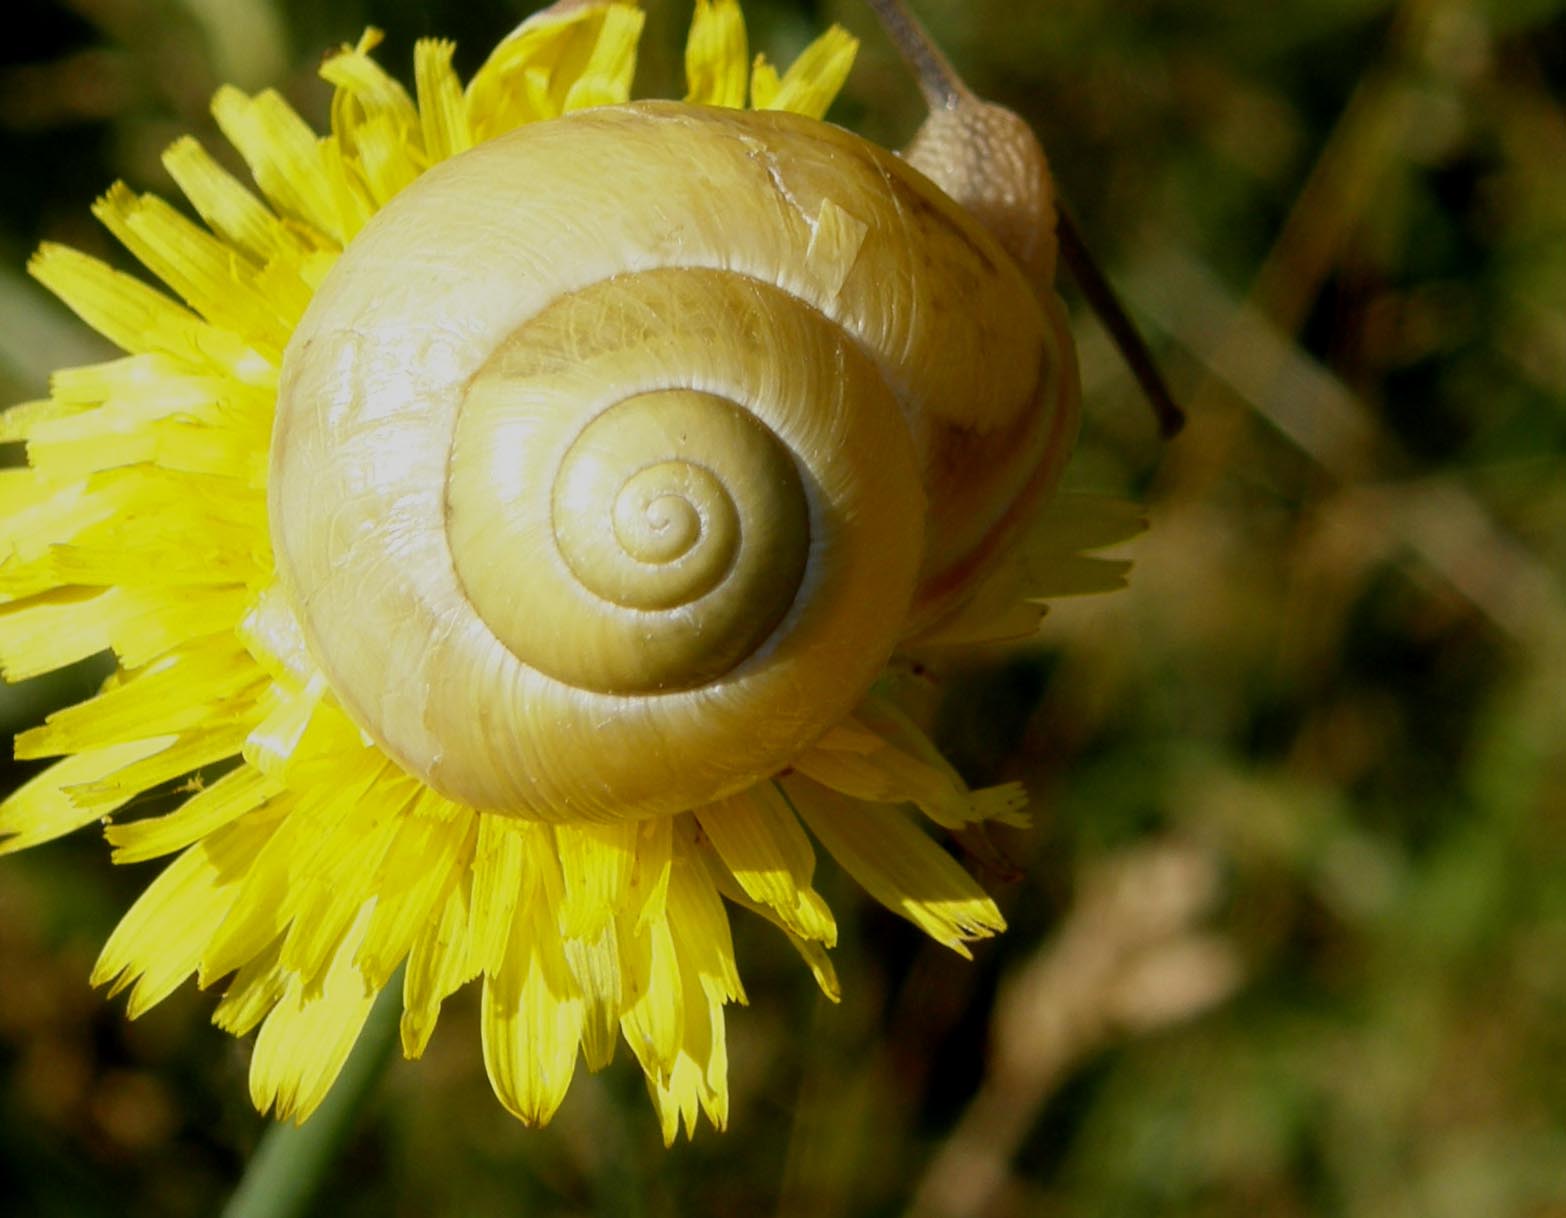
311 868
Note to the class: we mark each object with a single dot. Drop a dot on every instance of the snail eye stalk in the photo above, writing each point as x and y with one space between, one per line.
1105 301
945 92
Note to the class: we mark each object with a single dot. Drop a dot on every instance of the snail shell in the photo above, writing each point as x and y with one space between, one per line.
615 456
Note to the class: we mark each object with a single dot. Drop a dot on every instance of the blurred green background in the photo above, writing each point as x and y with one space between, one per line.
1289 934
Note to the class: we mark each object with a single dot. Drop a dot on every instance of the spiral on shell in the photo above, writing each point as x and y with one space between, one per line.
615 456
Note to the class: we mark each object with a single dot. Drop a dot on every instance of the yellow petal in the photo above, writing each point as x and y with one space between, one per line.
595 966
307 1038
760 841
699 1079
229 209
337 886
813 953
648 895
271 744
41 809
67 624
442 117
386 158
251 994
36 518
206 745
229 798
596 862
18 422
500 882
284 156
717 55
528 75
133 526
439 961
419 866
214 279
907 768
366 96
351 200
159 942
138 318
898 865
179 692
653 1022
531 1020
1047 561
812 81
147 381
701 928
277 877
605 79
149 623
52 630
590 869
764 84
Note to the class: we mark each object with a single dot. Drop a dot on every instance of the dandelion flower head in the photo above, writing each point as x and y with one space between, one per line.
307 867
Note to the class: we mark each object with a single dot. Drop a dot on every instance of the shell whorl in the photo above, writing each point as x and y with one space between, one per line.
609 458
628 516
702 546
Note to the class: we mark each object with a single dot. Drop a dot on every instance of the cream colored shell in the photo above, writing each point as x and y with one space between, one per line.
616 455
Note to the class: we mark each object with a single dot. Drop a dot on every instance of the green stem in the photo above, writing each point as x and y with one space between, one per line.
288 1167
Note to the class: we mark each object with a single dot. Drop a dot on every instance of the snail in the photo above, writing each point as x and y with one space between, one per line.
606 500
510 538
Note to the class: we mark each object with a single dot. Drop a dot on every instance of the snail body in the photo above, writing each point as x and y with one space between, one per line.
616 456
